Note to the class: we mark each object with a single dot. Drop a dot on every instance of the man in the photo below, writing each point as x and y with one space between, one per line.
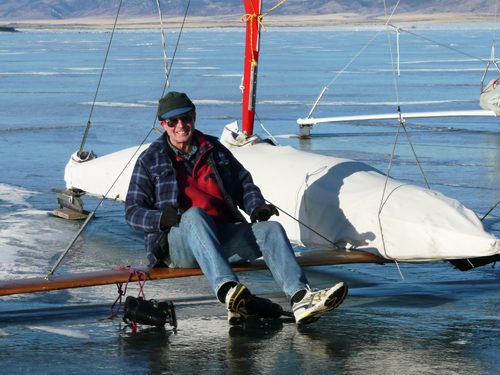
184 193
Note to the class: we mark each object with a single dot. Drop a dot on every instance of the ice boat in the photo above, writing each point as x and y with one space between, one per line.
326 203
340 199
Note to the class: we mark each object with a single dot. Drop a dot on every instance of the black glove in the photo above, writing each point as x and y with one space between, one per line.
263 213
169 217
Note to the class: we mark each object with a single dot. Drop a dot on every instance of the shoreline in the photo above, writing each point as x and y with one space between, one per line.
228 21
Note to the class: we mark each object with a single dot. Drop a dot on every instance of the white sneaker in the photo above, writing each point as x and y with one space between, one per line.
236 301
317 302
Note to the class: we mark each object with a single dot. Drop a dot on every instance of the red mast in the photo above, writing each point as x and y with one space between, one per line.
252 46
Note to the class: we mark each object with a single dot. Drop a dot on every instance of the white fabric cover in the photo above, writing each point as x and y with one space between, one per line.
338 198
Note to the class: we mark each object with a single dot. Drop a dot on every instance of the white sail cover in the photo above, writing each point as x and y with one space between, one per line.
107 176
339 198
490 97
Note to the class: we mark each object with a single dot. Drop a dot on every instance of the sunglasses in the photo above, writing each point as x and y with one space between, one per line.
172 122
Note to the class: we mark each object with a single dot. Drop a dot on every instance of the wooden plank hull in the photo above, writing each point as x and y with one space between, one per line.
105 277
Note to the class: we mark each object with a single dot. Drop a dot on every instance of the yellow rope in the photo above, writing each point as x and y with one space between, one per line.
248 17
270 10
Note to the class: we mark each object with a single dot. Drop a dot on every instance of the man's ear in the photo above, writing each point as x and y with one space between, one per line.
163 125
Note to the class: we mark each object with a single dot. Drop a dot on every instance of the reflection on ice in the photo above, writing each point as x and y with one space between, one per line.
63 331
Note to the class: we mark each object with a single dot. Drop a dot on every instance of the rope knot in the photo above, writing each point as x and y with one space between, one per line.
248 17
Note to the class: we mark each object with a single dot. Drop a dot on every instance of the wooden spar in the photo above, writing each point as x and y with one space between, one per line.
252 47
87 279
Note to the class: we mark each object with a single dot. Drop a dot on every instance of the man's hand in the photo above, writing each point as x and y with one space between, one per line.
169 217
263 213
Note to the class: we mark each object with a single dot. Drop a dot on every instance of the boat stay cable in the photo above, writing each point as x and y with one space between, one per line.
339 73
176 44
400 124
349 63
163 43
99 83
335 247
487 213
169 69
401 120
262 126
492 58
398 32
105 196
488 63
492 61
436 43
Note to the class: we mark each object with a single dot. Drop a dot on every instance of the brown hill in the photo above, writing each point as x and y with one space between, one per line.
71 9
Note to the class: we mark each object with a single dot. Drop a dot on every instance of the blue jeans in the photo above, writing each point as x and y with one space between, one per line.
197 242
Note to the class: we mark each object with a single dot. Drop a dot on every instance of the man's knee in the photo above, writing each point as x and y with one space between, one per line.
272 228
195 213
196 216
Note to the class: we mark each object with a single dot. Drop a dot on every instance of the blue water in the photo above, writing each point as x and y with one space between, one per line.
438 320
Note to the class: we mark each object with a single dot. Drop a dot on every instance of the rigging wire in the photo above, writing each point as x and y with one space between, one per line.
491 60
167 84
401 120
339 73
167 68
99 83
484 217
495 23
163 43
80 231
400 116
178 38
262 126
105 196
335 247
398 30
437 43
401 124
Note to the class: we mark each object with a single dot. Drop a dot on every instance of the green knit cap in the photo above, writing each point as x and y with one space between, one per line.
173 104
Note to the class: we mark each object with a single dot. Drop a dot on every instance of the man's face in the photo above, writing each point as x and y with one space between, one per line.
180 129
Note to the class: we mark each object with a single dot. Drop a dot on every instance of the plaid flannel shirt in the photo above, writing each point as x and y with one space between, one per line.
153 187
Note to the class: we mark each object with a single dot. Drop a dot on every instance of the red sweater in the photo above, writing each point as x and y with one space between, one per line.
201 188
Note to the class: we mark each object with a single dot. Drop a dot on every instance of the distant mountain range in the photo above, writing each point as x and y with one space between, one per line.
66 9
